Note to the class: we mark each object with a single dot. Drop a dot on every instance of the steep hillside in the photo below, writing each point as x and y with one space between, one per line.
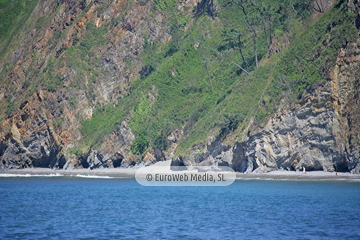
256 85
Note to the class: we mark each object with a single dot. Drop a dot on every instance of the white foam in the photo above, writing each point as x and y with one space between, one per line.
11 175
30 175
90 176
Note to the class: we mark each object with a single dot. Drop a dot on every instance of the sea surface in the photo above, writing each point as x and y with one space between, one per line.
96 208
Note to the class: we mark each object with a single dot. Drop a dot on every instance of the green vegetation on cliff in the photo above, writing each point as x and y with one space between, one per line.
199 82
226 63
13 14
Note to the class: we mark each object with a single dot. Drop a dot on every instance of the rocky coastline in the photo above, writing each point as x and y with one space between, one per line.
320 132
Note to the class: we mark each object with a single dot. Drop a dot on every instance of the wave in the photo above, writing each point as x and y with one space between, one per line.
11 175
90 176
30 175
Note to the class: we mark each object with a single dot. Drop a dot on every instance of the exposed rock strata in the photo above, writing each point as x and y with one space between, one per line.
321 132
52 127
30 139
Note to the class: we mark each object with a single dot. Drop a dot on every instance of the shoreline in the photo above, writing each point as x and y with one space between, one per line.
106 172
130 173
308 176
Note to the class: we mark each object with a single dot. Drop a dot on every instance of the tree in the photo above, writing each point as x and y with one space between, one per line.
252 18
233 40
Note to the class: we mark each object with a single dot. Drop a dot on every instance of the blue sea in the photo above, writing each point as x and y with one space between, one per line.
84 208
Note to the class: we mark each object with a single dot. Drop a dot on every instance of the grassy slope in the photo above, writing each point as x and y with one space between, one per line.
13 14
14 25
220 100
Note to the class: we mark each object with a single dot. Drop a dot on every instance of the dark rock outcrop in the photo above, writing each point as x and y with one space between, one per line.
30 140
321 132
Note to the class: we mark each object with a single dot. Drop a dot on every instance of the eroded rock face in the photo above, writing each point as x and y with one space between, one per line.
29 138
346 89
293 139
113 152
215 154
321 132
52 127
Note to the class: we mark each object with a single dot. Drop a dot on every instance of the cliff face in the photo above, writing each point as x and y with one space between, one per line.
321 132
28 138
76 57
345 86
47 123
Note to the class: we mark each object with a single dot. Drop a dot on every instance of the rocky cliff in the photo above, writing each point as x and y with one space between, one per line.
93 50
320 132
47 123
